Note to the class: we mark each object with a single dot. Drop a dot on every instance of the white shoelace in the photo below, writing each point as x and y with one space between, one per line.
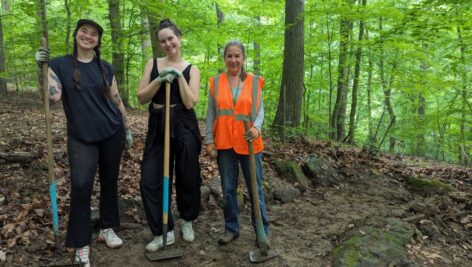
109 234
83 254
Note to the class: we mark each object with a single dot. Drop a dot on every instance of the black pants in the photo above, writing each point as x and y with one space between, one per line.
83 161
185 146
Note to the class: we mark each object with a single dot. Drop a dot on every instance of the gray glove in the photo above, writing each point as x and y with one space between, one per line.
42 56
169 77
168 70
128 139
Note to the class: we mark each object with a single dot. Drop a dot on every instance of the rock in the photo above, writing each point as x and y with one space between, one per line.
286 193
429 187
291 172
322 172
215 187
428 228
428 210
36 246
204 195
3 257
378 247
405 263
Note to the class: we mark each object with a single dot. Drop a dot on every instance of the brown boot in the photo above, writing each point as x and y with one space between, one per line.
227 237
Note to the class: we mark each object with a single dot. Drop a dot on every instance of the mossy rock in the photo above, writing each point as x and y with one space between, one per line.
377 247
292 173
429 187
321 172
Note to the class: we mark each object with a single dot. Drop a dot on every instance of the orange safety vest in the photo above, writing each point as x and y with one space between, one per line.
228 128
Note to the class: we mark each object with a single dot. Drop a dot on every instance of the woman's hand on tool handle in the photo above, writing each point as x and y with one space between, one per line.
252 134
211 150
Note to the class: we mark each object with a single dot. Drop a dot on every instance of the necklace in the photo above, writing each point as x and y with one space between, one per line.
235 94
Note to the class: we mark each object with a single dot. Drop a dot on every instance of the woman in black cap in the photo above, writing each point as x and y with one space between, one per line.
97 130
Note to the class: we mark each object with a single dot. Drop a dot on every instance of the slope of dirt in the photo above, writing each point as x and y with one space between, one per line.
304 232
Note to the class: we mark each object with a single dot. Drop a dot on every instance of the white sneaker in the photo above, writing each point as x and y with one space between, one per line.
82 256
187 231
110 238
158 243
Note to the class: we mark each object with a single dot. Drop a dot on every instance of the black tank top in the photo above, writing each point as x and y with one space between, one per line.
160 96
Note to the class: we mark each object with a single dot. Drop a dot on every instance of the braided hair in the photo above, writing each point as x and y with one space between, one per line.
239 44
76 73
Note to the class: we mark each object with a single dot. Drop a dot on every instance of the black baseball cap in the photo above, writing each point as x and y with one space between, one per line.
89 22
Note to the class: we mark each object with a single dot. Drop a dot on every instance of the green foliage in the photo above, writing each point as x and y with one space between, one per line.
424 44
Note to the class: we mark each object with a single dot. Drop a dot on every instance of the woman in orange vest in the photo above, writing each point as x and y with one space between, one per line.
235 96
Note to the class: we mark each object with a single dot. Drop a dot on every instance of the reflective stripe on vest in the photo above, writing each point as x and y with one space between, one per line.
229 112
219 112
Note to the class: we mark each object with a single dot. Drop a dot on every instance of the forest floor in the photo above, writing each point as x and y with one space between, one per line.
304 232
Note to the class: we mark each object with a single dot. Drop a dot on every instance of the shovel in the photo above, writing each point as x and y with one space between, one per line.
52 180
175 252
263 253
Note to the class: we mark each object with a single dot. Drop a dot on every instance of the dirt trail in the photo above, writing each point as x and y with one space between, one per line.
304 232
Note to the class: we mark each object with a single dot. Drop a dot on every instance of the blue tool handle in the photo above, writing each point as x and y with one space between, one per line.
165 205
55 215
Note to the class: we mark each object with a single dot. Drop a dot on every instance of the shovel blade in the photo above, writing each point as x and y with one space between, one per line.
257 256
165 254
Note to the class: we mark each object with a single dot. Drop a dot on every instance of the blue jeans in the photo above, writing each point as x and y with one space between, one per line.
229 172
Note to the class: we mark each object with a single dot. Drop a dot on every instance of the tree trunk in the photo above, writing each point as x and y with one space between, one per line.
68 25
145 39
117 54
338 116
6 6
306 92
464 154
17 156
370 69
293 67
154 16
3 82
220 18
355 86
257 53
330 71
386 87
420 140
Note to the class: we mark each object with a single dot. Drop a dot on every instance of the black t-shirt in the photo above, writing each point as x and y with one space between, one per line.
91 116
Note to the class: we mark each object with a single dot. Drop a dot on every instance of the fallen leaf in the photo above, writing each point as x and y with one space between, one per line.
467 219
11 242
39 212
